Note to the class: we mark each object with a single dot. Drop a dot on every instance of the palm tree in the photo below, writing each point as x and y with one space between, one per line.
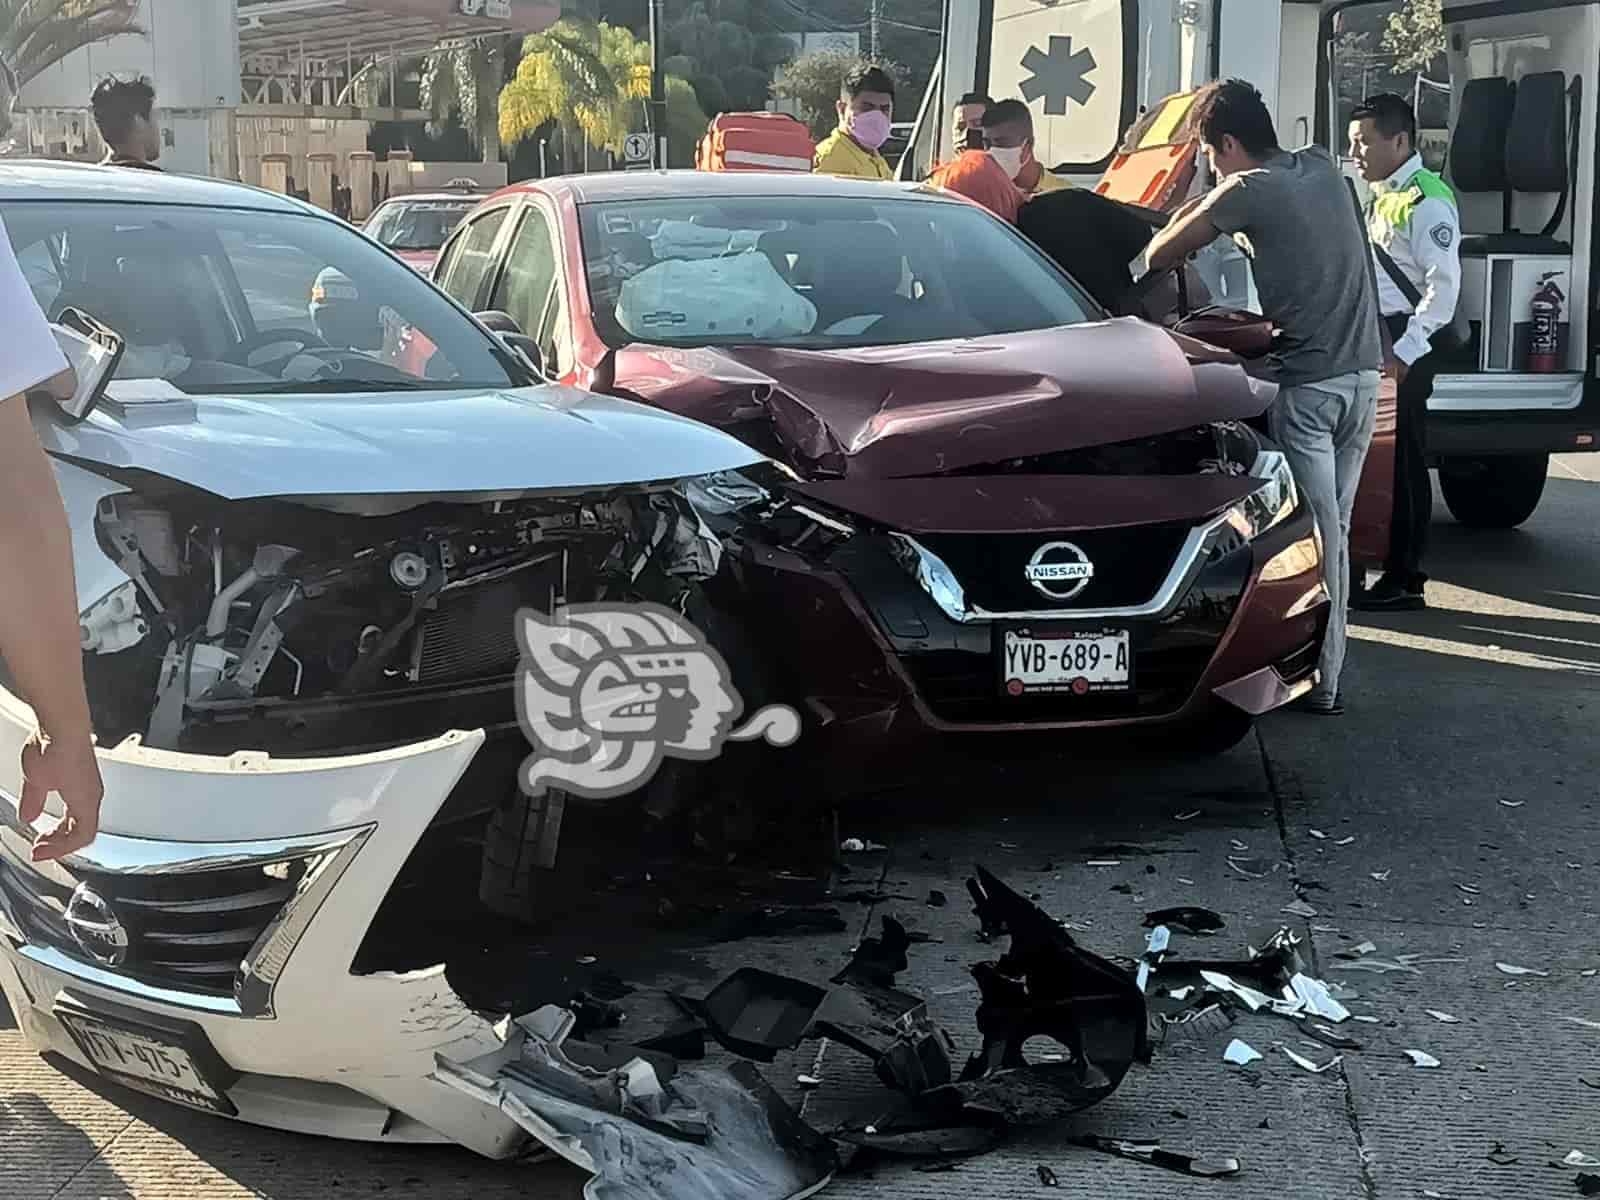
564 79
458 77
591 80
465 78
35 34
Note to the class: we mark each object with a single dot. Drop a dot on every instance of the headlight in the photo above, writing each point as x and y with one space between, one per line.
1270 504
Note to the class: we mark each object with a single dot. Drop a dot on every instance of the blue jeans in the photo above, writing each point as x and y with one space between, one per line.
1324 429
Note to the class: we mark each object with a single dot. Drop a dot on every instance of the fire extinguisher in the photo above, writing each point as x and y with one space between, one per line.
1544 344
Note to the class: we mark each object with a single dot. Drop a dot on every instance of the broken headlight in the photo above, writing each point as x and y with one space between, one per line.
1270 504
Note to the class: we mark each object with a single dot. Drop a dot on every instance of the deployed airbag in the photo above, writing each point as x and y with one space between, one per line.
715 298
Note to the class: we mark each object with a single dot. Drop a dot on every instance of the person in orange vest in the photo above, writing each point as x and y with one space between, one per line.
976 175
866 106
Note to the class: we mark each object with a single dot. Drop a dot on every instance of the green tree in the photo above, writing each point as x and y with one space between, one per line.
564 81
812 82
1414 35
35 34
591 81
463 80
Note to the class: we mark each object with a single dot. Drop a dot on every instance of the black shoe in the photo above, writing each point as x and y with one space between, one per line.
1318 706
1388 595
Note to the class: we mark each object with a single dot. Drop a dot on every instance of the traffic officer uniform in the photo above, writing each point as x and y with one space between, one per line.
1413 218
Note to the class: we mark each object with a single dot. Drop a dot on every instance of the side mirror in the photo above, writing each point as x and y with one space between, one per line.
94 351
504 326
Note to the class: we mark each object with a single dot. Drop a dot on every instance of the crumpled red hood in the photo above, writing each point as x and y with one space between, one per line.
928 408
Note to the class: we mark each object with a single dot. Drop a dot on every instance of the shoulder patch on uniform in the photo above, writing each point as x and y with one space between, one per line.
1442 234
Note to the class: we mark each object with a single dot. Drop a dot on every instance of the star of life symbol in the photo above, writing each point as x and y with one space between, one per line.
606 691
1057 76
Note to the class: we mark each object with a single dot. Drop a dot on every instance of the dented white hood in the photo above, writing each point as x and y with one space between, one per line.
543 439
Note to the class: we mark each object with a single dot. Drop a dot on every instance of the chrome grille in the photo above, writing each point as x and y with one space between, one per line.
187 931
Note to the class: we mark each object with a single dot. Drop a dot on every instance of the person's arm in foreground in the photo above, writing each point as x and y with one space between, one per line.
39 637
1189 230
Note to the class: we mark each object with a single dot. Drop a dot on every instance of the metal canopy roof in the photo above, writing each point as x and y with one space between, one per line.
356 29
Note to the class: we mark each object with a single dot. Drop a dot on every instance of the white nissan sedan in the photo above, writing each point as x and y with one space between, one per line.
304 511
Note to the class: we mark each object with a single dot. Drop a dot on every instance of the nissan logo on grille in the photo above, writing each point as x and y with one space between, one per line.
1059 570
96 928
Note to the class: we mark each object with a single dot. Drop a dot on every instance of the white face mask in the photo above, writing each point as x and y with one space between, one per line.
1009 158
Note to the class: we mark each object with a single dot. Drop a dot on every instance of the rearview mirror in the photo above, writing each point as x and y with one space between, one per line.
504 326
94 351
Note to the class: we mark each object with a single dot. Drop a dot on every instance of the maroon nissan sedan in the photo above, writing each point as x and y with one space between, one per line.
991 506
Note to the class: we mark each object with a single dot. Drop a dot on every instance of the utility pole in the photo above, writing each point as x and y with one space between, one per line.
872 36
658 87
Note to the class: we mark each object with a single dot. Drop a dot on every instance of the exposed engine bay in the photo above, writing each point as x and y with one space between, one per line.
261 624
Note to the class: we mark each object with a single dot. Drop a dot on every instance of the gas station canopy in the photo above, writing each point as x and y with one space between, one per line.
345 30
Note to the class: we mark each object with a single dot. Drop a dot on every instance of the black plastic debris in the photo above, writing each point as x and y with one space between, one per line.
1587 1185
755 1013
991 926
1048 1177
937 899
878 960
1500 1156
1589 1083
1186 918
1046 985
1151 1152
911 1133
893 1029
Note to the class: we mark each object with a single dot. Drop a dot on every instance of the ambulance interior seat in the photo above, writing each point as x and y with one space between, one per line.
1513 138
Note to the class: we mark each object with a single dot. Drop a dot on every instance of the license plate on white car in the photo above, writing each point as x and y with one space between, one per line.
160 1062
1079 661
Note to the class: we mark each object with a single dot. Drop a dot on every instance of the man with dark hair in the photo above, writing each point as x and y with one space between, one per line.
967 120
866 106
1008 136
1416 236
124 112
1292 215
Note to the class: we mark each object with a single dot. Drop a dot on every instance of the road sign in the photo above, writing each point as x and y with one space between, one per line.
636 147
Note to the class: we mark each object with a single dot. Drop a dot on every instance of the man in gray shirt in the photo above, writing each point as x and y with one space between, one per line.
1292 215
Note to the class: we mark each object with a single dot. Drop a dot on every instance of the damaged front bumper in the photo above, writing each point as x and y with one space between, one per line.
219 965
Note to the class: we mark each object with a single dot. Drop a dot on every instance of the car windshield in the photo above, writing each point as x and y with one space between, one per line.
417 224
815 272
247 302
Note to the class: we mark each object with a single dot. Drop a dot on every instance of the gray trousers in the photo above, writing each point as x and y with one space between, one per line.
1324 429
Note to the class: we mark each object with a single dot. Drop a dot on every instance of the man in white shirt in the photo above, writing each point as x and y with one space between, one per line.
38 598
1416 239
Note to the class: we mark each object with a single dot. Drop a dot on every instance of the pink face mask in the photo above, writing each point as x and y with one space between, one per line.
871 129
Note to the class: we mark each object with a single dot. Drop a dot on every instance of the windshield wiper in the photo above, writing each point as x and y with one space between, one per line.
342 385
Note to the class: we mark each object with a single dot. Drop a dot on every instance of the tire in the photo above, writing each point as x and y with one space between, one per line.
519 851
521 842
1494 493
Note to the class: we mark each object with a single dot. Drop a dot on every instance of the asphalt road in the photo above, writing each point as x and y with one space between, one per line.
1465 773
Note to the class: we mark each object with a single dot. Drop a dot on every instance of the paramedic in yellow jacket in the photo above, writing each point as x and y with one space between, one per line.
1008 135
1413 221
866 106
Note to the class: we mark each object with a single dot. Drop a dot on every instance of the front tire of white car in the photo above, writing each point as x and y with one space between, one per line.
716 806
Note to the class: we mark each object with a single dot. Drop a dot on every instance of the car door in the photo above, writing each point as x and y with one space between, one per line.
1369 523
529 289
466 264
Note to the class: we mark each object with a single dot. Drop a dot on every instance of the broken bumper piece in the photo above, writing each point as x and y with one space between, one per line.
697 1134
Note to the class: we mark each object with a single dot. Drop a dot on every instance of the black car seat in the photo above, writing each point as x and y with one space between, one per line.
1516 138
862 268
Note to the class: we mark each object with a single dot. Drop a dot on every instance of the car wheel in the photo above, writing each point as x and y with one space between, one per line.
716 806
1494 493
519 851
